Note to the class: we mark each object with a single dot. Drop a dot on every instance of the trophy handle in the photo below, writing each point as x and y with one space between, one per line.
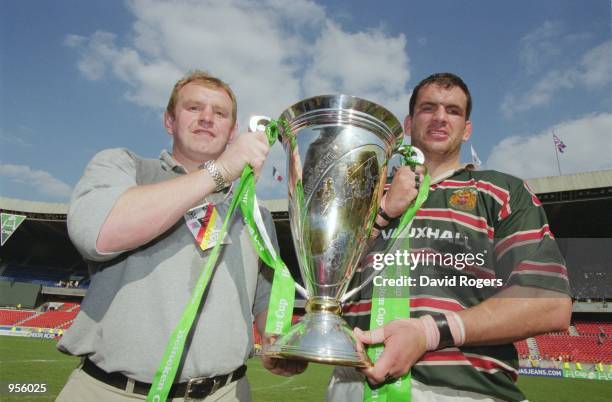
410 156
258 123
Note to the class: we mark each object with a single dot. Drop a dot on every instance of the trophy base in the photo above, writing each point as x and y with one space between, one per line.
321 337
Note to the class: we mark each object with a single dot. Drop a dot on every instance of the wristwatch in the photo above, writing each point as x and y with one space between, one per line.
218 178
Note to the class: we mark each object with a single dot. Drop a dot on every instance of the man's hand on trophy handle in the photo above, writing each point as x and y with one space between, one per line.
251 149
404 190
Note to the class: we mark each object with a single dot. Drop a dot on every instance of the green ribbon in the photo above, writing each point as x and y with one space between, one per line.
282 294
390 304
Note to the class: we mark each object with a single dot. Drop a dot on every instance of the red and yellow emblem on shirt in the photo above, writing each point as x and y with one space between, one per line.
204 224
208 223
463 199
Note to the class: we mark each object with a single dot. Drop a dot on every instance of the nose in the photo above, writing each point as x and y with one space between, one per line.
206 115
440 114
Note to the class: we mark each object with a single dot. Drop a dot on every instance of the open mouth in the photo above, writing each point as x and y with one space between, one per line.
438 135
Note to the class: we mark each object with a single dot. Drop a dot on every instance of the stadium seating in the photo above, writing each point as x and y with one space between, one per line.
586 349
522 348
65 325
587 342
10 317
594 328
51 319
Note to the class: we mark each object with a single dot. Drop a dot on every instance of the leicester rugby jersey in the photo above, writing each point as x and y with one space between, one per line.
477 233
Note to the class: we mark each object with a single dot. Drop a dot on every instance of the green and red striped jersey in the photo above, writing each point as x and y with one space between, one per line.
478 232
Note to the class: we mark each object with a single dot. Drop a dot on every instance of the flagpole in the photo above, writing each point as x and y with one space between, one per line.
556 153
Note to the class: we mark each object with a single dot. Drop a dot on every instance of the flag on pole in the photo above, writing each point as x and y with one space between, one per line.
275 173
10 223
558 143
475 159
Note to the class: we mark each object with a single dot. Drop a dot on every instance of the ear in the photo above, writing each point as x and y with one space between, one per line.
467 131
169 123
233 133
407 123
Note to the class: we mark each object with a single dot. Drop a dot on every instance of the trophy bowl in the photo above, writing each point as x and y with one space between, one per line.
338 148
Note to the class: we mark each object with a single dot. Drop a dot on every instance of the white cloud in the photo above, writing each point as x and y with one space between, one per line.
594 71
596 66
273 53
40 181
540 45
589 146
551 43
548 51
541 94
20 137
367 64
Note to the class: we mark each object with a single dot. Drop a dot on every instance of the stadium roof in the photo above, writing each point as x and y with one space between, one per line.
550 184
577 181
12 204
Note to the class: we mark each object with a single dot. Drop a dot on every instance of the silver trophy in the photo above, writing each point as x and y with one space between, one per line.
338 148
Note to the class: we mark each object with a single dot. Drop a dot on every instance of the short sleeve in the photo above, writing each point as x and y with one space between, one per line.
107 176
525 248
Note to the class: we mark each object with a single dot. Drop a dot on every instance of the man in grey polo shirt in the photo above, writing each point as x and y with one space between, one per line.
127 218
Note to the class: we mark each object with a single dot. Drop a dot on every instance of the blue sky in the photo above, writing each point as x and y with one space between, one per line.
78 77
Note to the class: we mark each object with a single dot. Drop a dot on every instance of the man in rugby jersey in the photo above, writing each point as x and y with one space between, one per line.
488 270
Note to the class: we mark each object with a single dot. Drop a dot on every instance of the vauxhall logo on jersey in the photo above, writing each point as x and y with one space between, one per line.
430 233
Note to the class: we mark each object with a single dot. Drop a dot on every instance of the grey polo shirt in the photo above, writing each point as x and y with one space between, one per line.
137 297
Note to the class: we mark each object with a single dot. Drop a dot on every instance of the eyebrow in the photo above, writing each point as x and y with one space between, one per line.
446 105
214 105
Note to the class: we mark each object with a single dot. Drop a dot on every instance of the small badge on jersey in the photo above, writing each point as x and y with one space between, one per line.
204 223
463 199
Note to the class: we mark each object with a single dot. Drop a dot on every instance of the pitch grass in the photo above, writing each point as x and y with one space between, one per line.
27 360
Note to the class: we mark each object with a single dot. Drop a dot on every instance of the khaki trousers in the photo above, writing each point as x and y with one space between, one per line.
82 387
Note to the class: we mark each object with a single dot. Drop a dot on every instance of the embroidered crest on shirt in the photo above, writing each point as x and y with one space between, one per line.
463 199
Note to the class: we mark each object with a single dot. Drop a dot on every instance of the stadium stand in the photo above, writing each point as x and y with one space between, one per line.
522 349
32 274
586 349
69 307
12 317
592 343
50 319
595 328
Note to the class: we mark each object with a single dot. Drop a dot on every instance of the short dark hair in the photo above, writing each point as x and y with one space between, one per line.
445 80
